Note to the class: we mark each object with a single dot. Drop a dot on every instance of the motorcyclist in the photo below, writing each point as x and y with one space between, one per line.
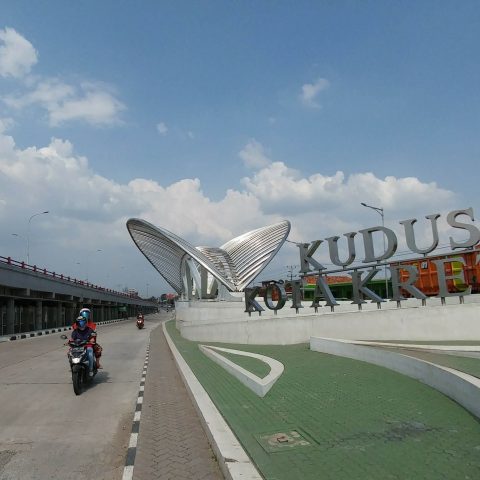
140 318
86 314
83 333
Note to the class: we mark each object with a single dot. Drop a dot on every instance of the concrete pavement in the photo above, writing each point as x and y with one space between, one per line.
46 431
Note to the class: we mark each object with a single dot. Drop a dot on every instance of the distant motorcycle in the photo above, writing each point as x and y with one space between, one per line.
78 359
140 323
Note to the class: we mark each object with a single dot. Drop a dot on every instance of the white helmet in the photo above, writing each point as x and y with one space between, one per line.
86 314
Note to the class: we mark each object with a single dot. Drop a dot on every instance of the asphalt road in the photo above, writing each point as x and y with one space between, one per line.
46 431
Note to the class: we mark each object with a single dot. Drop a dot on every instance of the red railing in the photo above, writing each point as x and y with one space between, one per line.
44 271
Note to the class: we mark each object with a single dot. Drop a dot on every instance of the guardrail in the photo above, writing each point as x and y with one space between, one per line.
43 271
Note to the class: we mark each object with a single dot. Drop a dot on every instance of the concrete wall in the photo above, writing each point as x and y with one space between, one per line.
227 322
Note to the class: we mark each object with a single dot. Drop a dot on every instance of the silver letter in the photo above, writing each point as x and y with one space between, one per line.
407 284
410 234
333 249
323 290
368 243
251 305
474 231
282 296
306 252
360 286
296 295
442 278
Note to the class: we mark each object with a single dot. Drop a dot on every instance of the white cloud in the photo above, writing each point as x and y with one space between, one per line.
310 92
88 102
61 181
5 124
91 102
254 155
88 211
48 93
58 179
279 187
93 106
17 55
162 128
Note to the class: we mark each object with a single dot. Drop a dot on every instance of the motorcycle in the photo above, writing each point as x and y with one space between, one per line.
78 359
140 323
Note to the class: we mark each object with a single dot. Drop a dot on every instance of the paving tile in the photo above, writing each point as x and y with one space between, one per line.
171 442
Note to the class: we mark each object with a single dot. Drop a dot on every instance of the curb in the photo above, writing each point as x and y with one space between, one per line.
232 458
39 333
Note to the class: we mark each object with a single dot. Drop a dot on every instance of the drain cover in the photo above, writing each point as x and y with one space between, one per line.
282 441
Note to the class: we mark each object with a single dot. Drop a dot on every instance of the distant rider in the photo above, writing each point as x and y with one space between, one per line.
83 333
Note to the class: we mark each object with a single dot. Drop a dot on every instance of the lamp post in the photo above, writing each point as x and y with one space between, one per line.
28 233
147 290
380 211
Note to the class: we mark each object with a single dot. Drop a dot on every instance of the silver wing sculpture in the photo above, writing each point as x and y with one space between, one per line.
233 265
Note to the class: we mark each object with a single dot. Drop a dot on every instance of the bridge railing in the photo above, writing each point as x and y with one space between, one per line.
33 268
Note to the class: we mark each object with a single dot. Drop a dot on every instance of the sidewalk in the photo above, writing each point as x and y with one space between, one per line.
171 443
344 419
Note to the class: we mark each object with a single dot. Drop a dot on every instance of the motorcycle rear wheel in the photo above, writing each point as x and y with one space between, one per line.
77 382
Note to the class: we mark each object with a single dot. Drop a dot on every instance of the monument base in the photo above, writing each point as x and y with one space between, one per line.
227 322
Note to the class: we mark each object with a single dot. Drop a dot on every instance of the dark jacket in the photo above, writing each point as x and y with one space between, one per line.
82 335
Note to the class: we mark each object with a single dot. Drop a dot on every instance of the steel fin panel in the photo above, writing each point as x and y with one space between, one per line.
235 264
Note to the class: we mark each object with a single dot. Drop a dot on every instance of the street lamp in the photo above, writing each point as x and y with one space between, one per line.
28 233
380 211
147 290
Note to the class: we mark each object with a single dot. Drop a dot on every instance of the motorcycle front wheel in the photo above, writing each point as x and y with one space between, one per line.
77 381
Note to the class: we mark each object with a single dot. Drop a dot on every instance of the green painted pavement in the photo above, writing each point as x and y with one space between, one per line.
345 419
253 365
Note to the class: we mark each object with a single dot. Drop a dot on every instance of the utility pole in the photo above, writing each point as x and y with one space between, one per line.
290 269
28 233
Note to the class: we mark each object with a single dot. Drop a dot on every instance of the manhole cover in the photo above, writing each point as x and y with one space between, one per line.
282 441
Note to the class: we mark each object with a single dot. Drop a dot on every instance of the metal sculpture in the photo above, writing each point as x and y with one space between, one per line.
204 271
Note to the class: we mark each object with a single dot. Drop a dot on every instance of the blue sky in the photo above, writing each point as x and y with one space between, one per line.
214 118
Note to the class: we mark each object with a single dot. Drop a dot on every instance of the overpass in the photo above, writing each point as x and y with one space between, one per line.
35 299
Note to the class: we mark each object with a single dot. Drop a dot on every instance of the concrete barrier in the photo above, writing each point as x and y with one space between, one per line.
227 322
259 386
